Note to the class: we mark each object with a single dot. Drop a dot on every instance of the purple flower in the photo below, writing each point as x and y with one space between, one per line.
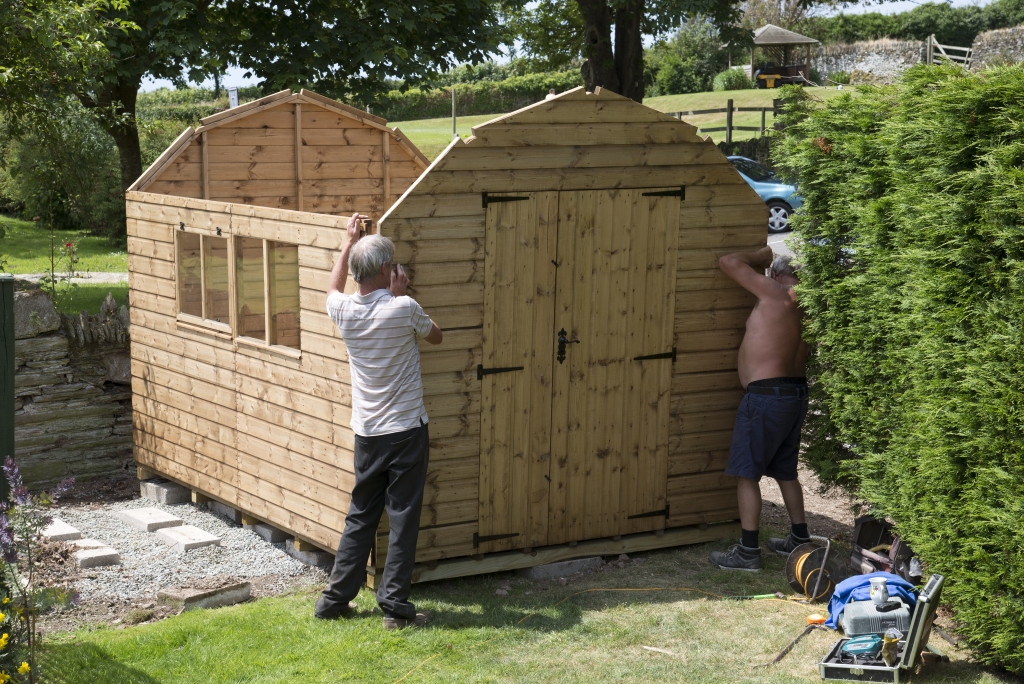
18 489
61 489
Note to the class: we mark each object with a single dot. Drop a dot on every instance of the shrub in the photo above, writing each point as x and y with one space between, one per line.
687 62
913 227
732 79
840 77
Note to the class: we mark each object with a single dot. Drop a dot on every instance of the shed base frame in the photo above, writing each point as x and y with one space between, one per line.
517 560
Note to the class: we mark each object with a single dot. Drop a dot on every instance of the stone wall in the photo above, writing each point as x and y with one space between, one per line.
1002 46
874 61
72 386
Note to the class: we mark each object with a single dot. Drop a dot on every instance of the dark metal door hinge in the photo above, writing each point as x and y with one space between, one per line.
487 199
680 193
663 355
478 540
651 514
481 371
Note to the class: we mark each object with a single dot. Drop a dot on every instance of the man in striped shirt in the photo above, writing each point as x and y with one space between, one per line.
380 327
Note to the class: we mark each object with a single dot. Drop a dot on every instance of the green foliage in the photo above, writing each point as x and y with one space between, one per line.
951 25
482 97
66 171
913 237
687 62
732 79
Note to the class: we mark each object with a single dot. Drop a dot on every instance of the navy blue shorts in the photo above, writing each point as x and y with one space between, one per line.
766 437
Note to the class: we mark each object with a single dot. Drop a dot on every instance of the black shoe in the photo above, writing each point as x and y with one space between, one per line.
784 547
738 557
393 623
325 610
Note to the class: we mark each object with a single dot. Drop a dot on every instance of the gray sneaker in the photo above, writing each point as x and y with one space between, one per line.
393 623
738 557
784 547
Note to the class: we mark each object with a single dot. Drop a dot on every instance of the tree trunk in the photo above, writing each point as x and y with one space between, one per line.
599 59
629 50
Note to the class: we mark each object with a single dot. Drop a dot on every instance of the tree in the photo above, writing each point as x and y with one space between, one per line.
349 48
45 47
613 60
687 62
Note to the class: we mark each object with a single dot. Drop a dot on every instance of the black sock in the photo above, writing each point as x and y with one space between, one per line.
749 539
800 531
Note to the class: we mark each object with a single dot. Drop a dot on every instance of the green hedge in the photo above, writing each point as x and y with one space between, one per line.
914 293
483 97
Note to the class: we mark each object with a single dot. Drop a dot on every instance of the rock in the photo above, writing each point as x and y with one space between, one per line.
34 313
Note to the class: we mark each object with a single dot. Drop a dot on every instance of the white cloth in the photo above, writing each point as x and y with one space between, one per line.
380 332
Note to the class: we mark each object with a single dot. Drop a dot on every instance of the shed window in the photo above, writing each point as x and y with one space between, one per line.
268 291
203 276
266 287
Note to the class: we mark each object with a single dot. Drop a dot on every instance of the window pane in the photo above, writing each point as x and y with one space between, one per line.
190 275
284 294
215 253
251 314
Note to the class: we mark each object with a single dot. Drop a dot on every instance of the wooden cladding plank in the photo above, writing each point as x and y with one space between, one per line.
150 230
158 286
734 297
182 402
526 180
568 155
420 204
180 170
151 248
434 228
689 462
285 154
704 421
720 319
696 362
156 268
516 134
169 155
192 189
702 382
343 171
724 238
172 211
594 109
749 215
439 251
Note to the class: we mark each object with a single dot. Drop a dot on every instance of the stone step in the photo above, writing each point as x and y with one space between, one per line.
97 557
150 519
58 530
190 598
187 537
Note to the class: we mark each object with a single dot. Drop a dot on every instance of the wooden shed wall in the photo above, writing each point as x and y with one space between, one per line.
580 142
291 151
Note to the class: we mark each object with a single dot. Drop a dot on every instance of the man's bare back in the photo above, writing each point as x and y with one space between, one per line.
772 346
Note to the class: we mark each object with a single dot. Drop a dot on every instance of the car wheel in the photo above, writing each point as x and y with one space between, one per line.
778 216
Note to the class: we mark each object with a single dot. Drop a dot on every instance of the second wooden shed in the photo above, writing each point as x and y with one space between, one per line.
569 251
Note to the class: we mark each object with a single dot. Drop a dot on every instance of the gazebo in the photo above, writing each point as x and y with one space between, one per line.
783 48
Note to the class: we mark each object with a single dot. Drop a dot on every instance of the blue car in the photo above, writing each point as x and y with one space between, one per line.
781 198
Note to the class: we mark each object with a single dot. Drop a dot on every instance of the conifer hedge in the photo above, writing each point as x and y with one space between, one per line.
914 293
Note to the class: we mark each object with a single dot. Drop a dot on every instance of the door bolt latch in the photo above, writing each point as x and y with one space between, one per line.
562 341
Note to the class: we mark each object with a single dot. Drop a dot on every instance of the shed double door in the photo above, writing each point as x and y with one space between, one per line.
576 365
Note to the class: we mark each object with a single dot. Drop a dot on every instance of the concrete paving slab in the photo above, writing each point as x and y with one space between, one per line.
187 537
58 530
190 598
95 558
563 568
165 492
149 519
90 544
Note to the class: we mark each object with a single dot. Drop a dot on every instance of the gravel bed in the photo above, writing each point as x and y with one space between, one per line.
149 564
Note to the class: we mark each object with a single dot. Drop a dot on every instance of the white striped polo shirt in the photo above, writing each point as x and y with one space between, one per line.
380 331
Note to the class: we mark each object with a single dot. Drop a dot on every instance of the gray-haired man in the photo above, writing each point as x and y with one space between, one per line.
380 327
766 436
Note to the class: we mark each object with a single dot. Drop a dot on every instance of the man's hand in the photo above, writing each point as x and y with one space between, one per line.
399 281
355 225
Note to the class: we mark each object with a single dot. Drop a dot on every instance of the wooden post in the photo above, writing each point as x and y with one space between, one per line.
6 375
764 113
205 165
298 157
728 121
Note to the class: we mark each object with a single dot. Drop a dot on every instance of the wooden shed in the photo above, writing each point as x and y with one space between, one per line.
583 398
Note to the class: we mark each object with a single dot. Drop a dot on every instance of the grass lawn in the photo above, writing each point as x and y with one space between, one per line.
433 135
25 249
653 620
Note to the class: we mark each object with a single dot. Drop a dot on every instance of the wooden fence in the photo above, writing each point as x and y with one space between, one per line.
728 110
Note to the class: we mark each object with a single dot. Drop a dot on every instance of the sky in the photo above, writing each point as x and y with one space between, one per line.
235 77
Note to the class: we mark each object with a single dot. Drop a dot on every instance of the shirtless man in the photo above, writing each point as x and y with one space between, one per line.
766 437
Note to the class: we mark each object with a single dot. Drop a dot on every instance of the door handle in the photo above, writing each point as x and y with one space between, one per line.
562 341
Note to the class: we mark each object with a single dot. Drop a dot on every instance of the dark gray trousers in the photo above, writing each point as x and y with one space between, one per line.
390 473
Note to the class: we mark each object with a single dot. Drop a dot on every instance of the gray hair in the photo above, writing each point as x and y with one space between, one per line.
782 265
368 255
